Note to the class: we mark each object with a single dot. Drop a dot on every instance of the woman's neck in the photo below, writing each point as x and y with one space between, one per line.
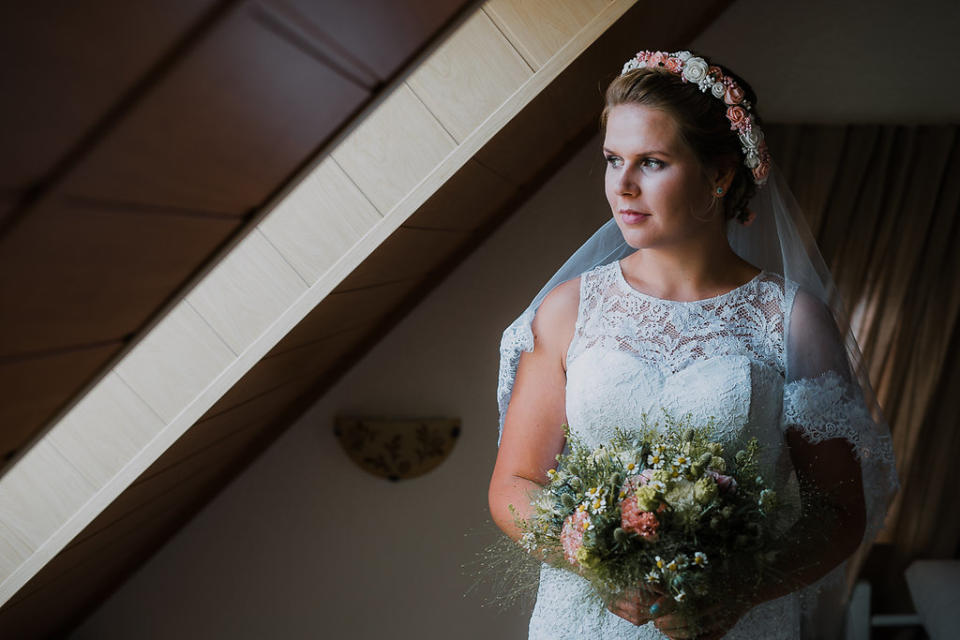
692 272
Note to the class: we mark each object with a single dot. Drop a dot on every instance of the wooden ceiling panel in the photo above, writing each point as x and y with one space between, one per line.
374 36
66 64
538 33
465 201
139 503
407 253
73 276
304 363
310 228
83 573
401 128
344 311
207 433
33 390
469 76
572 103
180 146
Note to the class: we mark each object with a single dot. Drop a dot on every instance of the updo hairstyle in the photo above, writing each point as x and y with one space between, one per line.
702 120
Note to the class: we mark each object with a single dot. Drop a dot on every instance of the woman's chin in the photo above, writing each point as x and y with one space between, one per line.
635 238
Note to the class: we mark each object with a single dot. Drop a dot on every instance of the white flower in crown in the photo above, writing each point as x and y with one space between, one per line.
751 139
630 65
684 55
695 69
753 158
718 90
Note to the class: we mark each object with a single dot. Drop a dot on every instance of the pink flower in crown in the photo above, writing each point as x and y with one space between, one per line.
762 170
738 118
674 65
657 58
715 71
734 94
571 534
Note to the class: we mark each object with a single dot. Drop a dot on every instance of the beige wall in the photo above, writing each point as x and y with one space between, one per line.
305 545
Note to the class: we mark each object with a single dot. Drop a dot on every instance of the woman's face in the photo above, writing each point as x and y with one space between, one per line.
651 171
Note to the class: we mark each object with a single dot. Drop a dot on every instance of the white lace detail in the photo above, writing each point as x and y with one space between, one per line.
670 334
516 339
824 407
828 406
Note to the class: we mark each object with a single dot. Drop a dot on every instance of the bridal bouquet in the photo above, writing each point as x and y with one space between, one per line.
669 507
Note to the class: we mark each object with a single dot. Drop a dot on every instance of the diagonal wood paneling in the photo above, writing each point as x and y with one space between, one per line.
180 149
124 198
62 262
35 388
376 37
469 76
58 81
538 34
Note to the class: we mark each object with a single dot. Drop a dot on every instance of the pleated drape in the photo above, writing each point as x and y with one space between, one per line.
883 202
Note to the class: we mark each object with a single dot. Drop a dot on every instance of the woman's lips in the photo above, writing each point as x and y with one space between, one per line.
630 216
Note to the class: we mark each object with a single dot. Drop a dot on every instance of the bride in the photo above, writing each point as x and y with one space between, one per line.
700 295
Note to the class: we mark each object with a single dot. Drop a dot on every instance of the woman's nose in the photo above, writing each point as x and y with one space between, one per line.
626 184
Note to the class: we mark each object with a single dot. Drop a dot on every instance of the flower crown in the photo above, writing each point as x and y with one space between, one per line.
710 78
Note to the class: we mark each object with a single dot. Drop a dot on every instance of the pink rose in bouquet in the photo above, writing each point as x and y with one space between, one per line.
571 535
724 483
643 523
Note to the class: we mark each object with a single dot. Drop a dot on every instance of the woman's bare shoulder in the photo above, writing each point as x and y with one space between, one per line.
556 318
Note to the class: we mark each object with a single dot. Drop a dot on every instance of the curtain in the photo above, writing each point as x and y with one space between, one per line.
883 202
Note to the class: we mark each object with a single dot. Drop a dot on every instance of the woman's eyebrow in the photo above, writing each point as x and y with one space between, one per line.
652 152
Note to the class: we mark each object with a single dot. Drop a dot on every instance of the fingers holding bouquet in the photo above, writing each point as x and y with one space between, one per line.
639 605
710 623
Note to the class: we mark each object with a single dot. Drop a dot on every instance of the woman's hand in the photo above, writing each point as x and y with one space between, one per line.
634 605
712 623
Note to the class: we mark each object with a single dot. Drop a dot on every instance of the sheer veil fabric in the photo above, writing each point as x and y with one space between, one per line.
826 393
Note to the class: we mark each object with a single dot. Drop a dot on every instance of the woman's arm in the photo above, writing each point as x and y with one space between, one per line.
832 517
833 511
533 425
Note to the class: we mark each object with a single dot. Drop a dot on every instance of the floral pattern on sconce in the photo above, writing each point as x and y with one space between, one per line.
397 448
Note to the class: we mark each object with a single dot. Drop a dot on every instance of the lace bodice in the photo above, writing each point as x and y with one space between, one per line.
632 353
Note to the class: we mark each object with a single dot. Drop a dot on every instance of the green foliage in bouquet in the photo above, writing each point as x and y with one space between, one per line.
665 506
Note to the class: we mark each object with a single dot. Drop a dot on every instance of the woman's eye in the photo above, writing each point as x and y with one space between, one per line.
649 163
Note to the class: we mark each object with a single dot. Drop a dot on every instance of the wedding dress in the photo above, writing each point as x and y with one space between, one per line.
722 357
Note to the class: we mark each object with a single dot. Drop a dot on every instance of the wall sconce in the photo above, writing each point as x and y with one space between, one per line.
397 448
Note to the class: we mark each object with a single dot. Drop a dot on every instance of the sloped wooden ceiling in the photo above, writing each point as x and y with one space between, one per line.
246 341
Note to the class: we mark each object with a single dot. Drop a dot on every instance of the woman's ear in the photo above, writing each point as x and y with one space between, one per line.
723 177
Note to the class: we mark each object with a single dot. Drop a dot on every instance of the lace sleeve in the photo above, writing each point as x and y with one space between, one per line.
517 338
823 399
